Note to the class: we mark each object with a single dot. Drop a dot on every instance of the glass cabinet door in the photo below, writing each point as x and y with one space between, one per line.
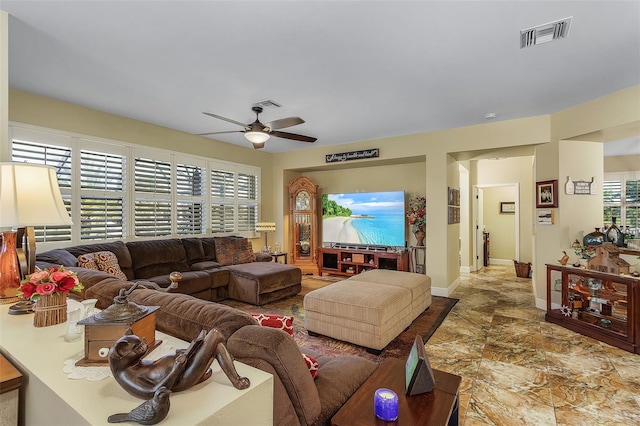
598 301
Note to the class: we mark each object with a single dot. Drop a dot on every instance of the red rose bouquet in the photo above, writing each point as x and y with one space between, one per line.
49 281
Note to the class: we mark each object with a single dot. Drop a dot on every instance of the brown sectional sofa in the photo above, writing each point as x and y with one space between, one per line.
298 398
212 268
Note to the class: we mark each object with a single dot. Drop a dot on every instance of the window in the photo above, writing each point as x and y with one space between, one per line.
190 203
102 206
621 199
115 191
58 157
152 208
234 200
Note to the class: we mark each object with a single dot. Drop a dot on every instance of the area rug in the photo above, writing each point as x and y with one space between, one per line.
425 325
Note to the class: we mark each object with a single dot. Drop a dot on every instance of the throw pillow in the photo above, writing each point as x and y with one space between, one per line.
233 251
88 261
283 322
312 365
108 262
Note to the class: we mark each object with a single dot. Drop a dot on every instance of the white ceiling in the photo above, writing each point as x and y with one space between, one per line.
353 70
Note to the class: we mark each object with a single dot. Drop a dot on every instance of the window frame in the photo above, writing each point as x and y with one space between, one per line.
78 143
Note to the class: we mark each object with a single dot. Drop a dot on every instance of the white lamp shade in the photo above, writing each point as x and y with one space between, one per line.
30 196
265 227
256 137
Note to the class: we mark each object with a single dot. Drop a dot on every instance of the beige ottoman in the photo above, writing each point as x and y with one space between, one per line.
369 309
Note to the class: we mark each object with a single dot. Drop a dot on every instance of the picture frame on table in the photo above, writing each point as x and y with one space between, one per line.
547 194
507 207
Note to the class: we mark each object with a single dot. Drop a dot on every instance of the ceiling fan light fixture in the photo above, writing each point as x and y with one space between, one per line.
257 145
256 137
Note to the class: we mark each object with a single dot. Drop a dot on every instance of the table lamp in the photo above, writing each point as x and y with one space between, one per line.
265 227
29 196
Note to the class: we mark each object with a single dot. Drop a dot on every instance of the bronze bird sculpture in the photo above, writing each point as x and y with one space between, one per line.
564 259
150 412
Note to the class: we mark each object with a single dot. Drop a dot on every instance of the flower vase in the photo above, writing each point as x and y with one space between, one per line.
50 309
420 235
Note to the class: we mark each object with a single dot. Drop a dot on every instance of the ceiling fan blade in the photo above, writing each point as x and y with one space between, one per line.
284 122
219 117
293 136
219 133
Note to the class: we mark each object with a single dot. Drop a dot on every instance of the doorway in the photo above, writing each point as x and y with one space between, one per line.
496 211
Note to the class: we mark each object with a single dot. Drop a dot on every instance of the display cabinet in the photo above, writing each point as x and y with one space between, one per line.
599 305
303 233
339 261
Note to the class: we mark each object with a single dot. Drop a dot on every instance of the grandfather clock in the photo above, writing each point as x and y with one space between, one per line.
303 230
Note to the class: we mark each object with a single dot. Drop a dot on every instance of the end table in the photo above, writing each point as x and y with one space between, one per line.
438 407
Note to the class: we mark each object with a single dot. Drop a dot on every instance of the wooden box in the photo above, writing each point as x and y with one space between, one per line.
357 258
99 337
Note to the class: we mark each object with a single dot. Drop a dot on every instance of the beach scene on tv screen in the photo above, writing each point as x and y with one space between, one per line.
364 218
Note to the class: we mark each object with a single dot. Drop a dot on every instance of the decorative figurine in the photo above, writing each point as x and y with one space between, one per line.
149 412
188 367
564 259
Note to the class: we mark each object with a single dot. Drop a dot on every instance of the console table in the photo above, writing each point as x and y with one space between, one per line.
51 398
436 408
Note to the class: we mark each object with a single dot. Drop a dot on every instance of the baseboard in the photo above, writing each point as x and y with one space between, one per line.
465 269
493 261
446 292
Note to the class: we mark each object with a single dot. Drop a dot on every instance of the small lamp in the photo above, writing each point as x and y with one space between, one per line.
29 196
265 227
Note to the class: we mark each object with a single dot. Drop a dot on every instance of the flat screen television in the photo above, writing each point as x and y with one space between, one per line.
363 219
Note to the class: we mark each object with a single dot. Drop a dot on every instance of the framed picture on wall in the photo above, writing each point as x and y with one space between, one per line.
507 207
547 194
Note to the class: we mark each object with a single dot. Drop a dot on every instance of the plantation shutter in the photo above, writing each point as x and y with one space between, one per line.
58 157
247 202
152 207
102 209
190 204
222 201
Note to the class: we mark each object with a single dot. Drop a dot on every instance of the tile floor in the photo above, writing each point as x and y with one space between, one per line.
518 369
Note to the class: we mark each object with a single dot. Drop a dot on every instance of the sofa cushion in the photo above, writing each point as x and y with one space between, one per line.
193 249
154 258
57 257
183 316
209 248
280 350
205 265
234 250
338 379
108 262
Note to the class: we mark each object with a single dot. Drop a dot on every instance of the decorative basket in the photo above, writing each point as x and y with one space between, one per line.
523 270
50 309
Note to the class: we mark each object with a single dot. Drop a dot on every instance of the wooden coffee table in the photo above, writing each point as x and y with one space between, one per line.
438 407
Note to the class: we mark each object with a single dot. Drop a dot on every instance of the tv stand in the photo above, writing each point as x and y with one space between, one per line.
352 261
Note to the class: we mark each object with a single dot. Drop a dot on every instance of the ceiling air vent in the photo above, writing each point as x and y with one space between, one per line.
545 33
268 103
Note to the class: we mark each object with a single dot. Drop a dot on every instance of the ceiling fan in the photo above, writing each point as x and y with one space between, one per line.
258 133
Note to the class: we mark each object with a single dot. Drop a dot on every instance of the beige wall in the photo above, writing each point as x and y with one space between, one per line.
4 84
626 163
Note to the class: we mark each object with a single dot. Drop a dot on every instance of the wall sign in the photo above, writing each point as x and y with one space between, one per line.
579 187
352 155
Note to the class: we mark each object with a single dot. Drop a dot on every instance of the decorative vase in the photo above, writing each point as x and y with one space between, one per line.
420 235
594 238
50 309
